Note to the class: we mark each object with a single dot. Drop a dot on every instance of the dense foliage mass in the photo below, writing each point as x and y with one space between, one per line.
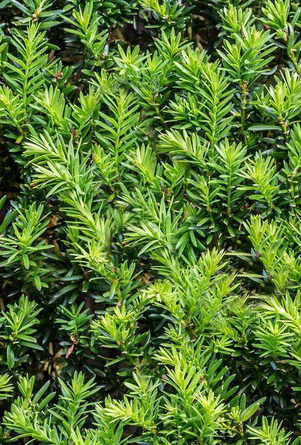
150 222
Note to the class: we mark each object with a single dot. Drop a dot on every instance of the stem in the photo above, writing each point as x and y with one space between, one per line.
295 62
285 129
291 53
244 102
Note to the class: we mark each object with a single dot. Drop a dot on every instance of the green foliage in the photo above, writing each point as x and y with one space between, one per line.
150 223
